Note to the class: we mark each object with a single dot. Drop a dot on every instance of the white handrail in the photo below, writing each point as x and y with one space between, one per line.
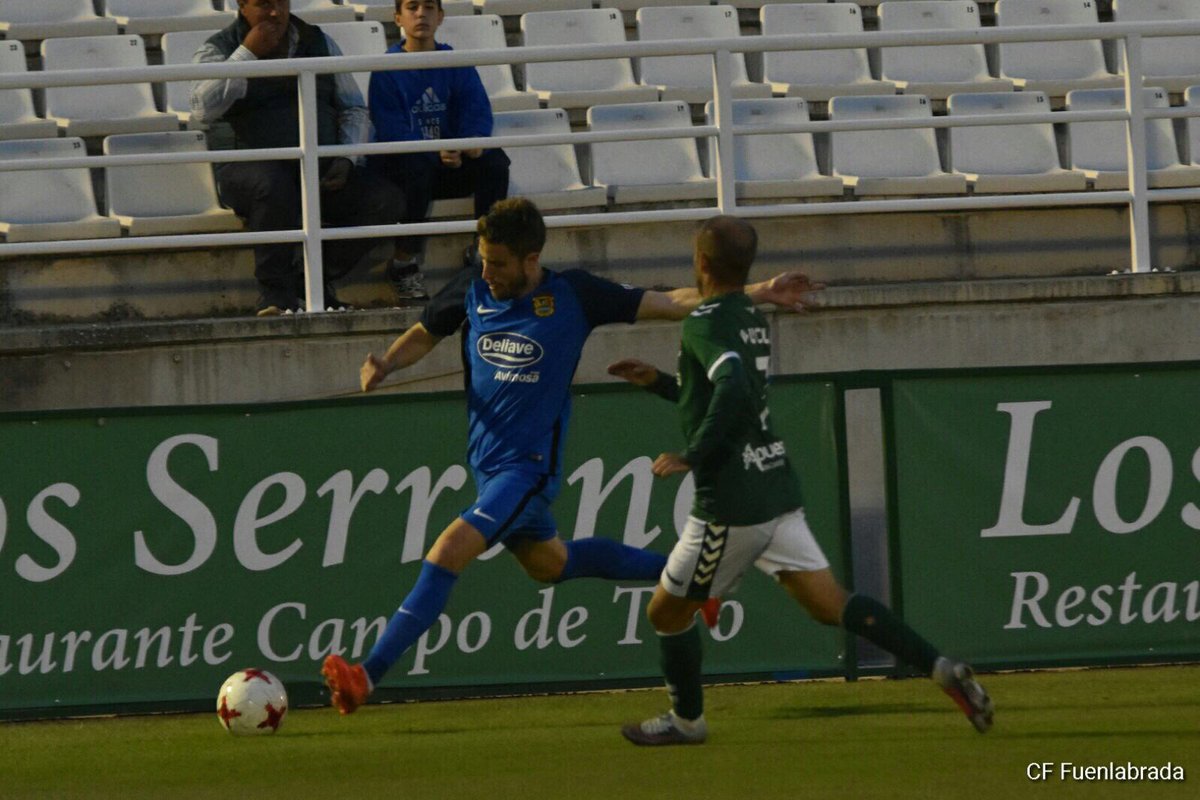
723 131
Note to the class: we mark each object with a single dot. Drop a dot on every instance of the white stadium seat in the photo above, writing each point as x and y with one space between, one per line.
817 74
578 84
889 162
1099 150
650 170
755 5
49 204
107 108
385 10
776 165
1172 62
634 5
1191 98
1052 67
160 16
315 11
375 10
158 199
1008 158
936 71
547 174
178 47
18 120
42 19
358 39
689 78
486 32
512 8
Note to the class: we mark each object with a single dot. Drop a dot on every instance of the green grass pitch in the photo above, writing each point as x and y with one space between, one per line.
809 740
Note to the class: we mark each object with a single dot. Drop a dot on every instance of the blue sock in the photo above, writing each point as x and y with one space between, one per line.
416 614
604 558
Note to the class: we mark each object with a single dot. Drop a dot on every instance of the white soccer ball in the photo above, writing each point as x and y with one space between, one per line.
252 701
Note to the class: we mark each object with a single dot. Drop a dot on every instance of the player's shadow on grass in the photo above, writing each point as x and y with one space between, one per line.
830 712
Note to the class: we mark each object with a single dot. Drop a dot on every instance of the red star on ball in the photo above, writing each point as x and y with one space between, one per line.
226 713
274 717
251 674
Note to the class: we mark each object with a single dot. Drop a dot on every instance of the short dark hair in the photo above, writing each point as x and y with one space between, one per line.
515 223
401 2
730 244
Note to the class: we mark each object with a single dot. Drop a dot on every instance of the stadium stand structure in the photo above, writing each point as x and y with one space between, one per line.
159 199
651 170
1098 148
1008 158
315 11
817 74
547 174
1054 68
1171 62
106 109
45 205
358 39
486 32
689 78
579 84
897 161
776 165
151 17
936 71
18 119
43 19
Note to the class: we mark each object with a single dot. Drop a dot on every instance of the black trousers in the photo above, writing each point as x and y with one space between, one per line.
266 194
424 179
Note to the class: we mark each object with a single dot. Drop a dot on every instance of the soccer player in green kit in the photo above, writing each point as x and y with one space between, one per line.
748 508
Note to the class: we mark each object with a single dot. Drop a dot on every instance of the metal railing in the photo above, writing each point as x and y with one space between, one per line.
311 233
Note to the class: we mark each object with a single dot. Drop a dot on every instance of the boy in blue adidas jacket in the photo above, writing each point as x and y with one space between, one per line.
446 103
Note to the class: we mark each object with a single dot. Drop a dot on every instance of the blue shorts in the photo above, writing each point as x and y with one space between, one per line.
513 504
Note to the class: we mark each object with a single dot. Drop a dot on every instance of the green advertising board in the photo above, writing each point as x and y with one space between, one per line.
1046 519
145 555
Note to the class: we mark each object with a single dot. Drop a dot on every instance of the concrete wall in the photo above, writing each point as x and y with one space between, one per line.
1104 319
840 250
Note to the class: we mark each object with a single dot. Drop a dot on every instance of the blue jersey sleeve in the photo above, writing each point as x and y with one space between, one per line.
603 301
447 310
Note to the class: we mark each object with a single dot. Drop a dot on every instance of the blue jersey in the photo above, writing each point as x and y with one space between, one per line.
520 357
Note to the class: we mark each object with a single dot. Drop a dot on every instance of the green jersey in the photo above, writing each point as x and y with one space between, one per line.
741 468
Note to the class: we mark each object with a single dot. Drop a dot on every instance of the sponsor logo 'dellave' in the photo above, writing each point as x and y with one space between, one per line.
509 350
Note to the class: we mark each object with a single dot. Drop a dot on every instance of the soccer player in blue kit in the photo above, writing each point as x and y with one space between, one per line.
523 329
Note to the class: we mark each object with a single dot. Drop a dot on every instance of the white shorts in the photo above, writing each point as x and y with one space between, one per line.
709 560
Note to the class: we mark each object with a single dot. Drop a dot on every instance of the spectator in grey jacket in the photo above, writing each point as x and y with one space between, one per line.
263 112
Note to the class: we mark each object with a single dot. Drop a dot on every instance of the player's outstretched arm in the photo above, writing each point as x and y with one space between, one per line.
409 348
639 373
791 290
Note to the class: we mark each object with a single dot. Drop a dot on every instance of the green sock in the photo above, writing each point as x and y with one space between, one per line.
875 622
681 657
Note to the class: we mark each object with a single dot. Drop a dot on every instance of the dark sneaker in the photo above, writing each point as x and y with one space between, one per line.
957 679
333 302
273 302
471 256
406 279
666 729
